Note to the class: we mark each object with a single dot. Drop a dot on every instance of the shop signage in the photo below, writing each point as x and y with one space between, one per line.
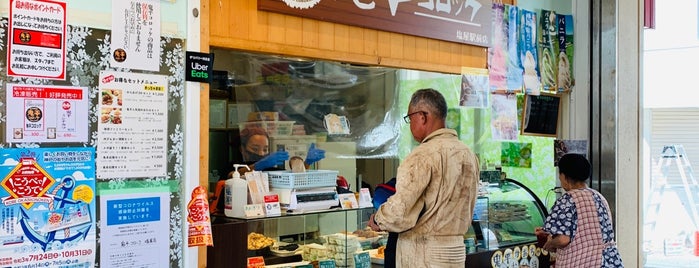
460 21
199 67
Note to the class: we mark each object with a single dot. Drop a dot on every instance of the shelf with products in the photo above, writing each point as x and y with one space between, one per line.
503 227
288 238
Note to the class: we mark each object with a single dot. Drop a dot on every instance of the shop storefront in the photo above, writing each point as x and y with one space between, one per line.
267 54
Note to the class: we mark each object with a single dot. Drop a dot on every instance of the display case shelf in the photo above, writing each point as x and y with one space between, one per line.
231 236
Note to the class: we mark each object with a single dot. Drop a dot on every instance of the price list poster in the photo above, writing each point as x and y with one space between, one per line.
47 212
132 125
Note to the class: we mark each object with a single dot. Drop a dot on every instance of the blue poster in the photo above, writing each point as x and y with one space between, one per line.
528 52
47 214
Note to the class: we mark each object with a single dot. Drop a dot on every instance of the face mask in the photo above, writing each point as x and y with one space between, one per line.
252 157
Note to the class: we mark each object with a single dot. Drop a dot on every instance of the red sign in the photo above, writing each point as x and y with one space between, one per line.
254 262
460 21
271 198
27 183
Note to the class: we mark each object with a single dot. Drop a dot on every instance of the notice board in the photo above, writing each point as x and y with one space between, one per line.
540 115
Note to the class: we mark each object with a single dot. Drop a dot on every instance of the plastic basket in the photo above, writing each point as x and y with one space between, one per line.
308 179
283 128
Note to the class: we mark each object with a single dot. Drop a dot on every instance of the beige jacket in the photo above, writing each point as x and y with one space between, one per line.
433 204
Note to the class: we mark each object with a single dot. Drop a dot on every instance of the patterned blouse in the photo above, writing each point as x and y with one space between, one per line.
563 219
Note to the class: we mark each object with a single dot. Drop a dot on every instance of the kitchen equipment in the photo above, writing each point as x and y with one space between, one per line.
307 199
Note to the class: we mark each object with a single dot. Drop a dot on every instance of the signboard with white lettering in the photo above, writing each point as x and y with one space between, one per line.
460 21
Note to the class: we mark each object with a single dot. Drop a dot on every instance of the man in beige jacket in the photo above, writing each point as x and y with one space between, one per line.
436 190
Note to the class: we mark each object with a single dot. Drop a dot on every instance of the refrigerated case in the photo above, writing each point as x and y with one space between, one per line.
503 226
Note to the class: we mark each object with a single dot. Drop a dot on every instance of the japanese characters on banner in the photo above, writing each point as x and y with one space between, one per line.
135 40
549 51
528 52
37 34
199 230
132 125
37 113
135 230
47 214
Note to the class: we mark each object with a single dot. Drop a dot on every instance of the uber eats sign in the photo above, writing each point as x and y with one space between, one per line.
199 67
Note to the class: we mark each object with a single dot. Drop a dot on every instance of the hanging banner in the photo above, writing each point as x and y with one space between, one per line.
132 140
515 70
528 53
135 40
548 60
37 113
565 56
48 210
497 53
37 37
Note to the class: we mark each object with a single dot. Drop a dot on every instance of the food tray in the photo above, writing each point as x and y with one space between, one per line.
308 179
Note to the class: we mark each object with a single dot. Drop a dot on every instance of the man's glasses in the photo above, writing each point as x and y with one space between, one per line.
407 117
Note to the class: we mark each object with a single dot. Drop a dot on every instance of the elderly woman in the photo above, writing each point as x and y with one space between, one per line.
579 227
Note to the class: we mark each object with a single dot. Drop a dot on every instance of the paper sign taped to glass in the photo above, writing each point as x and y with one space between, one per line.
336 125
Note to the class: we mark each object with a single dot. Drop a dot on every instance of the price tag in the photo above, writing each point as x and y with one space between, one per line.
272 206
326 264
254 262
254 210
348 201
362 260
365 198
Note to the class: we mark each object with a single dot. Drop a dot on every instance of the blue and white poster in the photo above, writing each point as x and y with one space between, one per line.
135 229
47 214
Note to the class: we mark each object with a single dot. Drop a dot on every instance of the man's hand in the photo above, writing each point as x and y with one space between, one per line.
372 224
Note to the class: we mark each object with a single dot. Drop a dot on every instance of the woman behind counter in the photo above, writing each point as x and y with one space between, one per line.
579 227
256 155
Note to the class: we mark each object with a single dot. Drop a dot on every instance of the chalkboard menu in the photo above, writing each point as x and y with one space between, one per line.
540 115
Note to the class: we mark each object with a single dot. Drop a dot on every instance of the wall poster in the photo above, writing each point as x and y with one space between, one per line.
132 125
36 45
37 113
135 40
47 214
135 230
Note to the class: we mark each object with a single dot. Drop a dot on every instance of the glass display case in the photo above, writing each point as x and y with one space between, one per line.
292 238
502 230
501 234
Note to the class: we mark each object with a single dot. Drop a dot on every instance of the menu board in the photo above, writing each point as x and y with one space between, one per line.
540 115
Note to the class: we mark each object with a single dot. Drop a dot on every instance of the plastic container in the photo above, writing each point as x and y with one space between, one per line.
236 194
273 128
308 179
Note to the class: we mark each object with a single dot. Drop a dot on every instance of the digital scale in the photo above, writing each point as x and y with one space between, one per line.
307 199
